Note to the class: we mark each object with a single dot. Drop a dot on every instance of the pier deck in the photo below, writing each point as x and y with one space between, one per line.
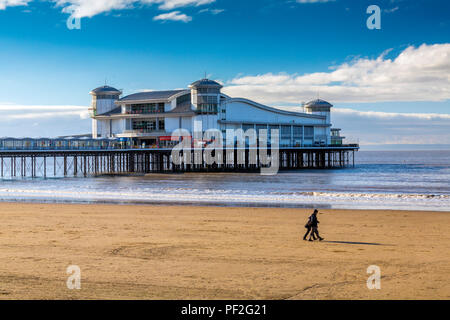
63 163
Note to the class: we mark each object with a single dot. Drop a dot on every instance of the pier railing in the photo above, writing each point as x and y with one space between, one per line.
80 144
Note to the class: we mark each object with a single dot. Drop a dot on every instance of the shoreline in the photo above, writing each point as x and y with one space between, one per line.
198 252
211 205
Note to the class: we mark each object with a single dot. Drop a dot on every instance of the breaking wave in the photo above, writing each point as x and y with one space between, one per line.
224 197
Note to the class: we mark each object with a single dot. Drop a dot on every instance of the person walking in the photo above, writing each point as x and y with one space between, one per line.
314 224
308 229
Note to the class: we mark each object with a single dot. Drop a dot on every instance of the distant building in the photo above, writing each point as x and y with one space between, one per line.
150 117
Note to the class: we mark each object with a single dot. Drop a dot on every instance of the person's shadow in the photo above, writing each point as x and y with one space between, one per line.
351 242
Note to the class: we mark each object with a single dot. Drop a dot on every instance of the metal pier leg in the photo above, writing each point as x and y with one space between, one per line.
353 158
84 166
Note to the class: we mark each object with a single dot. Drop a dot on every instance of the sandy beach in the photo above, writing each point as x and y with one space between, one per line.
162 252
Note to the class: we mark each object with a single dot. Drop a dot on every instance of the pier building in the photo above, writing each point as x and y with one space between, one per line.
149 118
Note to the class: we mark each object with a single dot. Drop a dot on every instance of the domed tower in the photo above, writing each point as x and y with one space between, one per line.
322 108
205 95
103 100
319 107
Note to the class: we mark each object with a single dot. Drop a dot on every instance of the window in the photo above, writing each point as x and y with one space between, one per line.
144 125
335 133
285 132
146 108
107 96
207 99
309 132
161 124
208 90
298 132
184 99
272 127
207 108
260 127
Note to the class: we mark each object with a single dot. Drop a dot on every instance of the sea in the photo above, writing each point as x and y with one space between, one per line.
397 180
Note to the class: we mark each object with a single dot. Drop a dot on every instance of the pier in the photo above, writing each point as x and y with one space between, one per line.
95 162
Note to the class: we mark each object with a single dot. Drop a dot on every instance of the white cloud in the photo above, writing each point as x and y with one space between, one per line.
173 16
379 114
416 74
90 8
16 112
370 127
15 107
375 128
42 120
393 115
13 3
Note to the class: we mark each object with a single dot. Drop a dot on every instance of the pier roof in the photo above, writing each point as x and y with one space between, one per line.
205 83
318 103
105 89
152 95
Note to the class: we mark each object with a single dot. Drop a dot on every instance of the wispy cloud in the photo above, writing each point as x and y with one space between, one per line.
15 112
173 16
212 11
416 74
172 4
90 8
391 10
13 3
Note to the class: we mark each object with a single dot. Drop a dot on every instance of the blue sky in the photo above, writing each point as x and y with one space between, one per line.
278 52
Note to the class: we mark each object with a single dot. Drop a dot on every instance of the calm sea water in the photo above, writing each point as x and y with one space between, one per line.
417 180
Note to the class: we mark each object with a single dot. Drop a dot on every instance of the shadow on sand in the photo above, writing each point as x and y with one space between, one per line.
350 242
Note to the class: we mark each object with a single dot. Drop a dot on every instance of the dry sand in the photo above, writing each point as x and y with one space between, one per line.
161 252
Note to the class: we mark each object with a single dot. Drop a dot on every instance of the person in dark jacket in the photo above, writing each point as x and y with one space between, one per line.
309 228
313 223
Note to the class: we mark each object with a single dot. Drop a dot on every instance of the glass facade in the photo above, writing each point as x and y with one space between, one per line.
145 108
204 108
208 90
144 125
149 125
184 99
106 96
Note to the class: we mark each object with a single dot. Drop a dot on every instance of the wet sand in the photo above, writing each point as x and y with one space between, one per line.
162 252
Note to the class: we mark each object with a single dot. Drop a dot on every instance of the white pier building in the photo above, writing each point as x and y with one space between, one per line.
149 118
